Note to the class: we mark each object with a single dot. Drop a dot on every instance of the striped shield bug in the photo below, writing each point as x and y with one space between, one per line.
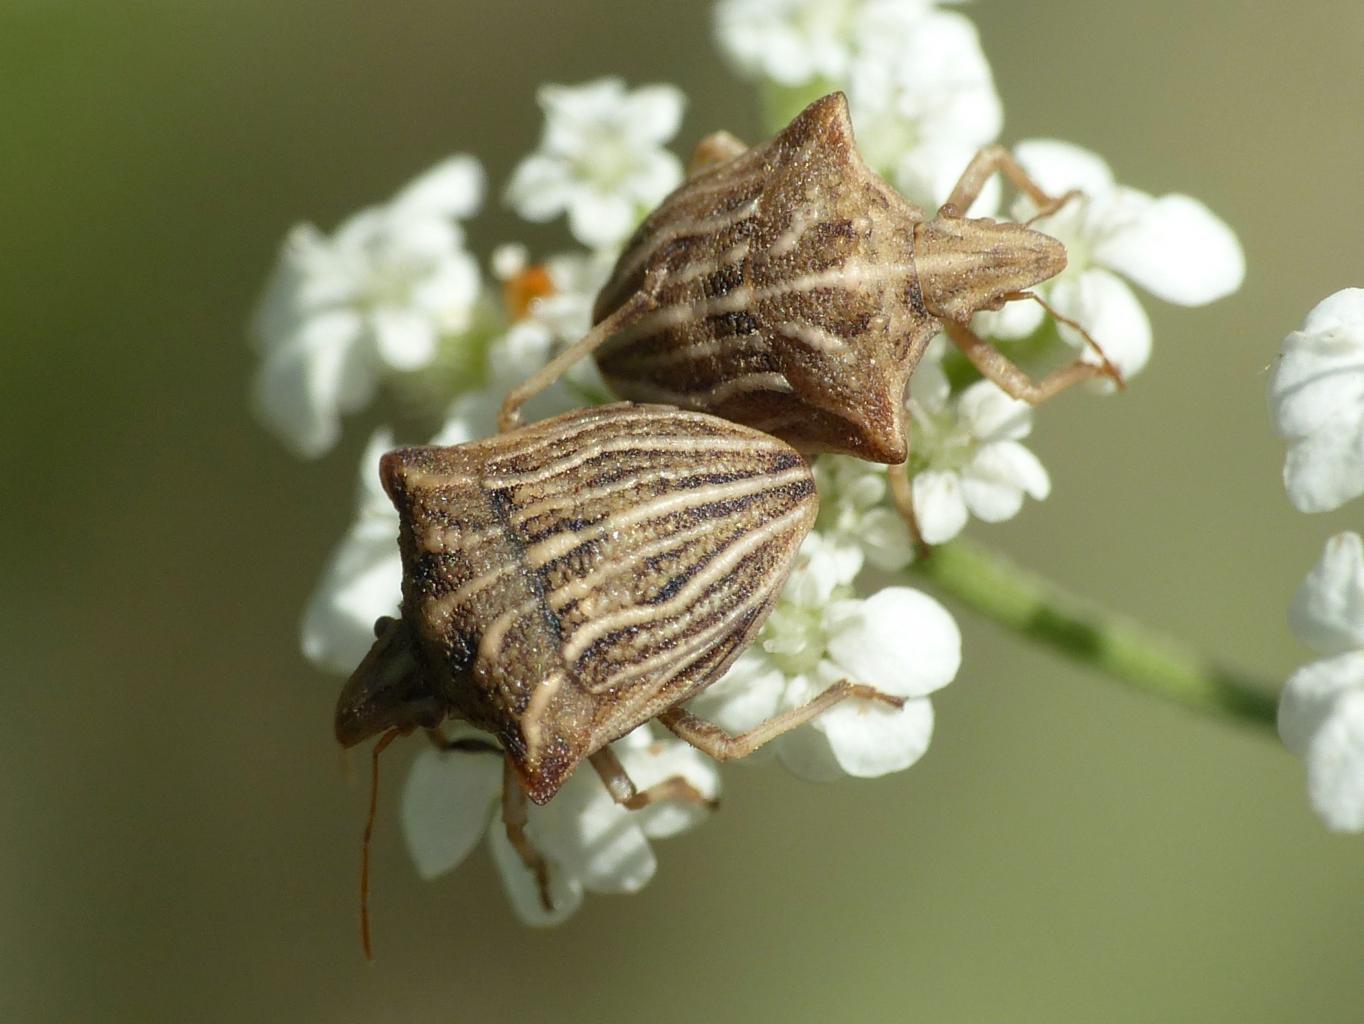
570 580
789 288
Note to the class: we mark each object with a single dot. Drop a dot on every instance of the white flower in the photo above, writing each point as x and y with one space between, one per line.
375 298
550 321
1173 246
854 520
792 42
1316 399
899 640
601 158
1321 711
966 456
924 101
363 578
591 843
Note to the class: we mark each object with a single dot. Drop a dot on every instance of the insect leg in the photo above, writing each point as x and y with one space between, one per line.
623 790
514 816
710 739
903 495
994 365
712 151
638 304
978 172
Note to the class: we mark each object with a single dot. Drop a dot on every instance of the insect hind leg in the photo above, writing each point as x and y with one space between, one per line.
624 791
515 813
995 366
712 740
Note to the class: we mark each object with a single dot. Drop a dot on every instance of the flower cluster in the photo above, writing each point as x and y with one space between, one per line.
1316 397
394 299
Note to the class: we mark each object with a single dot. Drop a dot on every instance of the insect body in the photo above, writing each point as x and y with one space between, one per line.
789 288
571 580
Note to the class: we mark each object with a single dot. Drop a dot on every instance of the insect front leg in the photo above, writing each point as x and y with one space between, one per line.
515 813
633 308
623 790
995 366
978 172
712 740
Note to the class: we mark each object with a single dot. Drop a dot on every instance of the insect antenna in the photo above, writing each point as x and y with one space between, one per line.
379 747
1113 373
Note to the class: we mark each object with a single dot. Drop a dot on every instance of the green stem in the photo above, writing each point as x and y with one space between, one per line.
1127 651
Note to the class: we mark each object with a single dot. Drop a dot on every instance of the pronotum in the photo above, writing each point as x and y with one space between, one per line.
570 580
789 288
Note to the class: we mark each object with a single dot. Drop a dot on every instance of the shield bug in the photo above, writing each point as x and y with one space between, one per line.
789 288
570 580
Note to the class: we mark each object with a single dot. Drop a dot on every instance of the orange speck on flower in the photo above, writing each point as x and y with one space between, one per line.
520 291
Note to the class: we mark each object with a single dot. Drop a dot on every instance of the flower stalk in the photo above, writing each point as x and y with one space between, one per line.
1043 612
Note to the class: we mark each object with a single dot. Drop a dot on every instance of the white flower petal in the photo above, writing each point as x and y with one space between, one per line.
994 483
1327 612
885 538
655 175
1341 311
654 112
373 500
748 694
452 188
1016 320
899 640
446 806
566 893
938 505
1060 166
592 838
307 278
404 338
1104 306
1316 398
1335 766
1325 469
1320 377
929 386
991 415
869 740
303 386
539 189
448 293
362 581
600 219
807 753
1178 250
1310 695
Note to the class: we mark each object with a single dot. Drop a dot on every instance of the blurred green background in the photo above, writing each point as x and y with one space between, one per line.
182 838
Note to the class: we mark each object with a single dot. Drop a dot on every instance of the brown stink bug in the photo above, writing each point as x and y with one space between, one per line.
570 580
789 288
